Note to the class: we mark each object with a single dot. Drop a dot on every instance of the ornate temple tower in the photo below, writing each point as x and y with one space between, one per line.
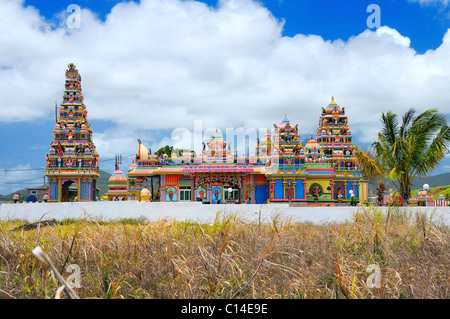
216 152
335 139
334 136
72 162
286 173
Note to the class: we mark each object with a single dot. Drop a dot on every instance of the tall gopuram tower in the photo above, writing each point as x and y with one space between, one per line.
337 148
72 162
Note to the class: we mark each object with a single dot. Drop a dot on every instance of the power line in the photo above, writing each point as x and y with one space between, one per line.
112 159
21 170
25 181
42 168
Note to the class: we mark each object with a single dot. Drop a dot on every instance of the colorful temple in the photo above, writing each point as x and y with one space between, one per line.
282 170
72 164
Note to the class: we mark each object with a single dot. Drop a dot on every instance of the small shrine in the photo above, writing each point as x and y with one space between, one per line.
145 195
72 164
117 186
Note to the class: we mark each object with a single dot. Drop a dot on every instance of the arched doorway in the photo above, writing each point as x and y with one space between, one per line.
231 193
69 190
214 189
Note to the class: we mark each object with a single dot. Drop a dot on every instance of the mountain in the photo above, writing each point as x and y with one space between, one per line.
102 184
307 137
6 198
433 181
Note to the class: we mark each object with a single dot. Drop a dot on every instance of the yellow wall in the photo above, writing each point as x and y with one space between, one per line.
363 191
325 183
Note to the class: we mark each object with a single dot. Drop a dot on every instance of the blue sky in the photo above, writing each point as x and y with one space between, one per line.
142 79
425 25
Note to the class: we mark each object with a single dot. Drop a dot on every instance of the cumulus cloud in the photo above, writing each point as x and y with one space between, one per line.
157 65
431 2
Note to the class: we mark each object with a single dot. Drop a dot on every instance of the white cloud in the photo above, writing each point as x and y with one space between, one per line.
162 64
431 2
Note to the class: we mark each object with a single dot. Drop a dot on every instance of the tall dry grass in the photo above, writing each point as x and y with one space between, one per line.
231 259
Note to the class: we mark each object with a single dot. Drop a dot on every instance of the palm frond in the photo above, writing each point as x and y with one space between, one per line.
369 165
390 124
412 149
408 117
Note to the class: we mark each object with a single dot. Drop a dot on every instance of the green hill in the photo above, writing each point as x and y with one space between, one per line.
436 191
102 182
433 181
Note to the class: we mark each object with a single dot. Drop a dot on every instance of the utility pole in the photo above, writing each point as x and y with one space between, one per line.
118 160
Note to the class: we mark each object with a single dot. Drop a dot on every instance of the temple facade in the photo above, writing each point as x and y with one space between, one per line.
282 170
72 164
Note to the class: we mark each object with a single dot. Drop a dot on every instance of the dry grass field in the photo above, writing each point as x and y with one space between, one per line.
131 258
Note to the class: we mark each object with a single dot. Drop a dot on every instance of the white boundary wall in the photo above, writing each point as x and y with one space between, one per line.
196 212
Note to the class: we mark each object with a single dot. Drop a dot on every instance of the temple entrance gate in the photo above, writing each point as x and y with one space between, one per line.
69 191
216 188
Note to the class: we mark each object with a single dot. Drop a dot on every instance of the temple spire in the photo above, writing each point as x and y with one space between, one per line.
72 158
332 101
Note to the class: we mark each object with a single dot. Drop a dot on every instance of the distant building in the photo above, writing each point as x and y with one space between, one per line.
35 193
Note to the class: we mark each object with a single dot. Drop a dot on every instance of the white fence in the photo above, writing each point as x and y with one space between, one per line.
193 211
439 203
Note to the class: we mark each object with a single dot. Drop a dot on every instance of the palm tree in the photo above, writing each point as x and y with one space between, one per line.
405 151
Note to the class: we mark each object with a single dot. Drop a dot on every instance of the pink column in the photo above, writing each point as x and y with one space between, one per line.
304 189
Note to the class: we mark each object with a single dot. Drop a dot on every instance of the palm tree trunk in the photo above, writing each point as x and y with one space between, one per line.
405 190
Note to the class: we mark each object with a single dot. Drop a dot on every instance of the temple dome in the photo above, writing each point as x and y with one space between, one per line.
132 167
333 107
118 178
217 135
284 122
142 151
216 142
312 146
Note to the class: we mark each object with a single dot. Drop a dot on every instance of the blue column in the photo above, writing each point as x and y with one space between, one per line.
299 192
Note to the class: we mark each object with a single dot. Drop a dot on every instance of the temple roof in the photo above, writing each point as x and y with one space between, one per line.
333 107
312 146
117 178
284 122
216 142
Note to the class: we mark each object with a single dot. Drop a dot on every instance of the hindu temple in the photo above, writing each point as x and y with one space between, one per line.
72 164
281 170
324 171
